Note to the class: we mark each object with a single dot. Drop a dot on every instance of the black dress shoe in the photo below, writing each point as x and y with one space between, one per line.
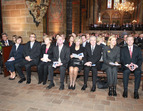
50 86
93 88
136 95
61 87
114 91
125 94
84 87
21 80
73 87
28 82
110 91
44 83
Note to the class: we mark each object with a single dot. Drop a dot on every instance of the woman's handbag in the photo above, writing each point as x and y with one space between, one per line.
77 62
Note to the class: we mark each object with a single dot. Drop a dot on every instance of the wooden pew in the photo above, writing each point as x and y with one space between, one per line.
5 56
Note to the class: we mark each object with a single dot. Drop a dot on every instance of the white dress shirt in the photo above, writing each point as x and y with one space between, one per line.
31 44
60 48
130 47
17 45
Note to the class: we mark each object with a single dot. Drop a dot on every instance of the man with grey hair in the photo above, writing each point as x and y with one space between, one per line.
92 55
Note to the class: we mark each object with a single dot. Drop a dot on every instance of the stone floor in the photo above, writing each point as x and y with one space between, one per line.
34 97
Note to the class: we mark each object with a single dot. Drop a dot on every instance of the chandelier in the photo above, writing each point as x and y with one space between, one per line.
125 7
37 9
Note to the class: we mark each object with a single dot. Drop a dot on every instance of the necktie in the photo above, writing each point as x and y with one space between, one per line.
92 49
130 52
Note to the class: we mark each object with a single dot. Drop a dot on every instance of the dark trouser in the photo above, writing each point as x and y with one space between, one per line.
94 74
137 74
51 73
27 66
111 76
43 71
10 65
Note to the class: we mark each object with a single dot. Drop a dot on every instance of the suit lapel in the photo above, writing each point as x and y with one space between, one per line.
95 49
62 51
128 52
134 50
90 49
57 52
34 44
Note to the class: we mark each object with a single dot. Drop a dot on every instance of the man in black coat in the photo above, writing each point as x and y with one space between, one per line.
61 57
31 53
92 55
131 60
5 41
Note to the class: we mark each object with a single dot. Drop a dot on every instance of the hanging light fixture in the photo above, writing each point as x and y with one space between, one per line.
125 7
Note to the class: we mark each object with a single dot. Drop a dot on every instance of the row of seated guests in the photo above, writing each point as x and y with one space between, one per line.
79 56
114 26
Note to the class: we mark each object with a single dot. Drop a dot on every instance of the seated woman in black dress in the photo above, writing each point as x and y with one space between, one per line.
75 64
45 57
16 55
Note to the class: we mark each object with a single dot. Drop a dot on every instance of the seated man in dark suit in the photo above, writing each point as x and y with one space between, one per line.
61 57
131 60
92 55
31 53
5 41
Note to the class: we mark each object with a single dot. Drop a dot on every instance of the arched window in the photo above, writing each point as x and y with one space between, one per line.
109 3
112 3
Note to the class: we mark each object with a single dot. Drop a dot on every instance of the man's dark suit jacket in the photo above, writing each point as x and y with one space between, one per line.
49 52
34 53
9 41
64 55
136 56
96 54
17 54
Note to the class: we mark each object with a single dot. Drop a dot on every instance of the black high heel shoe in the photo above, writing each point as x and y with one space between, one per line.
11 78
73 87
69 87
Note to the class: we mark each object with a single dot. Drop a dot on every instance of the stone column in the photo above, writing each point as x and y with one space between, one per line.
68 17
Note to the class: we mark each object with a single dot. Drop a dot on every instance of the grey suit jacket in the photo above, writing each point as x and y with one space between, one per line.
110 55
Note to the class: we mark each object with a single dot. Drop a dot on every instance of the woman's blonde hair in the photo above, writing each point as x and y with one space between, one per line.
109 40
78 38
48 36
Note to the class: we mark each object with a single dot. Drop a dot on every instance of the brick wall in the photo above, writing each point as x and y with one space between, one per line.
17 20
